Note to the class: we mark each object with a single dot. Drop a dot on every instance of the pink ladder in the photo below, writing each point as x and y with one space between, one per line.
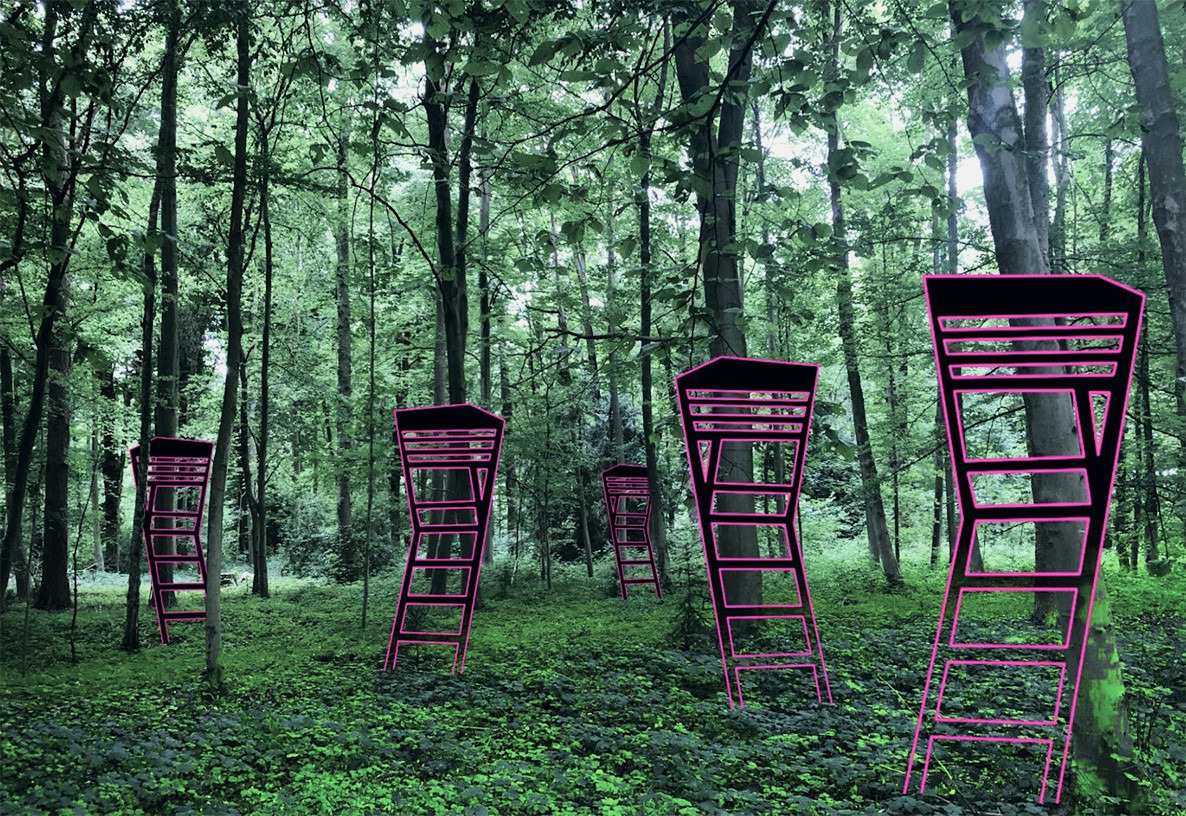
628 505
1069 335
448 535
726 403
174 464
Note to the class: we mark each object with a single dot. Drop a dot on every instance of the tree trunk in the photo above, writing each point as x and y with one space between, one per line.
451 246
1162 147
96 521
880 547
8 426
507 465
1149 499
131 635
23 559
168 366
1033 82
347 557
714 149
112 467
59 173
937 507
213 674
658 526
1101 741
259 566
54 592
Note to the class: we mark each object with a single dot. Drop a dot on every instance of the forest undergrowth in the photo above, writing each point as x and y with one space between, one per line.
572 702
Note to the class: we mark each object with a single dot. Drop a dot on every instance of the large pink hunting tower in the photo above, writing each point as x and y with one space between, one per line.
628 506
440 586
180 467
1068 340
725 404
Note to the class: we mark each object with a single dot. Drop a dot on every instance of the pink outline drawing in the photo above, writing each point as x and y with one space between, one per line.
174 463
974 311
445 437
619 484
722 401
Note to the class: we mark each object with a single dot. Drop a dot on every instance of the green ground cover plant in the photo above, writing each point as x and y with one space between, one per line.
572 703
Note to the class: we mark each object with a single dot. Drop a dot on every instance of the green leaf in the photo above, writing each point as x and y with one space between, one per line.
543 53
864 61
918 57
223 155
477 68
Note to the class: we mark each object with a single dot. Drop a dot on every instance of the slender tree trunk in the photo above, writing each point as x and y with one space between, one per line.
1106 204
168 364
1037 153
485 301
259 566
1161 138
131 634
1060 162
880 547
248 526
112 467
658 525
1149 499
8 426
485 306
347 557
507 466
583 503
96 521
952 269
213 674
22 559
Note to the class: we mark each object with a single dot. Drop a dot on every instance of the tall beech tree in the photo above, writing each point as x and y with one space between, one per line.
241 17
1103 743
1161 138
168 363
713 116
839 160
58 60
347 555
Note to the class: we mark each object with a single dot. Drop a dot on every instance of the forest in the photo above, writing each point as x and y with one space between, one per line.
274 224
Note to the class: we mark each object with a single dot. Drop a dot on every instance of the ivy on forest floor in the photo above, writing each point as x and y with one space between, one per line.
582 724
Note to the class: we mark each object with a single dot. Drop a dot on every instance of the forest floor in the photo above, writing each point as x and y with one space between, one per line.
572 702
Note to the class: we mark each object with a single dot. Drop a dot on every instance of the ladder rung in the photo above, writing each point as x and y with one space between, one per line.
764 610
445 563
635 563
757 563
427 637
183 614
446 529
638 580
177 558
182 586
1030 512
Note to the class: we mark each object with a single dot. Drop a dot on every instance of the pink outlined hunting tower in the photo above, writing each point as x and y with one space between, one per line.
628 505
725 404
181 466
1007 337
440 586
